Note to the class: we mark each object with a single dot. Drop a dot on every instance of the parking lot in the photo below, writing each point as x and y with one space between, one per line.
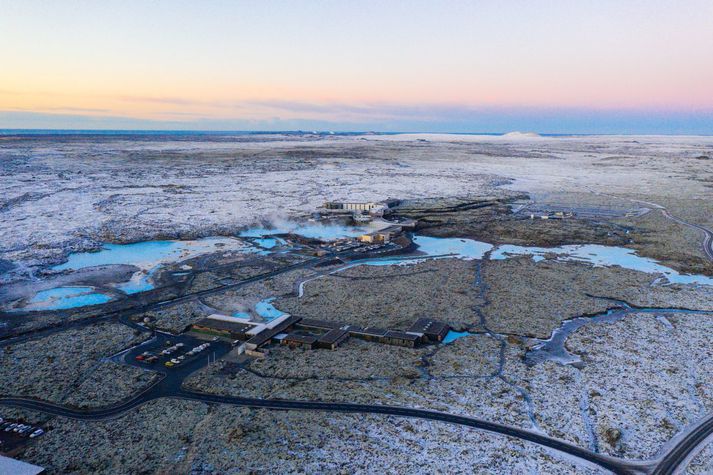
15 433
170 353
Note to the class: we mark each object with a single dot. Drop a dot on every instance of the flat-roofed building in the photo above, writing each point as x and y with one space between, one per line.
350 205
222 328
315 324
294 340
395 337
228 318
332 339
382 236
432 330
368 333
268 333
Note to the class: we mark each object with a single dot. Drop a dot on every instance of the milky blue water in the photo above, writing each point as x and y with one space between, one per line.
148 255
323 232
435 248
241 315
266 310
602 256
134 286
66 297
461 248
452 336
269 243
132 254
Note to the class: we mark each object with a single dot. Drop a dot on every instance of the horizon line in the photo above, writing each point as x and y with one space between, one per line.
108 131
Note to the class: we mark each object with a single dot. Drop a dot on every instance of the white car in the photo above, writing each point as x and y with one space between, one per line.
37 433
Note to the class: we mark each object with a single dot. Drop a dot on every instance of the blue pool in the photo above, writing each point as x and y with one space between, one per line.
66 297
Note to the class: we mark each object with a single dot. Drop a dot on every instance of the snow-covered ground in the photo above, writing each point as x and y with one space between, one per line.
66 194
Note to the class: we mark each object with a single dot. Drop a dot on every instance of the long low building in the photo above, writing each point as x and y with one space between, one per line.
431 330
395 337
423 330
294 340
368 333
222 328
332 339
313 323
268 333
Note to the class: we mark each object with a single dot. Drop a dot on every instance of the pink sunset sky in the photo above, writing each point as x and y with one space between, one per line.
366 65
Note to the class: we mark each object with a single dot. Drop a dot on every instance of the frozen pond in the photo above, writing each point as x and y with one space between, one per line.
602 256
65 297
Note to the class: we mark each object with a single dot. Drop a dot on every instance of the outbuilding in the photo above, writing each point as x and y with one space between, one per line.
399 338
332 339
294 340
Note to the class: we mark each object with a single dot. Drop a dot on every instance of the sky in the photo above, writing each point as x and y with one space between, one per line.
559 66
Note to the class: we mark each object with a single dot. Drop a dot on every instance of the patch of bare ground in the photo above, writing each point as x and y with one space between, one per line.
644 379
54 366
190 437
673 244
390 296
531 298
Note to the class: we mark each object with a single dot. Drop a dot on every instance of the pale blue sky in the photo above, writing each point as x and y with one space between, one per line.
564 66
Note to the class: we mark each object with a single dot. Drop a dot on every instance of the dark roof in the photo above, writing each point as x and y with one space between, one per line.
369 331
424 325
333 336
267 334
234 327
308 339
322 324
401 335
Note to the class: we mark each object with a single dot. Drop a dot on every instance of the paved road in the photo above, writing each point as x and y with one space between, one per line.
613 464
124 313
681 450
707 233
694 439
685 447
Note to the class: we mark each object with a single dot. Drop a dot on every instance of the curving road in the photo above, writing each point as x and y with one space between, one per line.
707 233
685 447
681 451
613 464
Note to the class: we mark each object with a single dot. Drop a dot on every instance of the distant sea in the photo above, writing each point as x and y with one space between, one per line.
179 132
6 132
